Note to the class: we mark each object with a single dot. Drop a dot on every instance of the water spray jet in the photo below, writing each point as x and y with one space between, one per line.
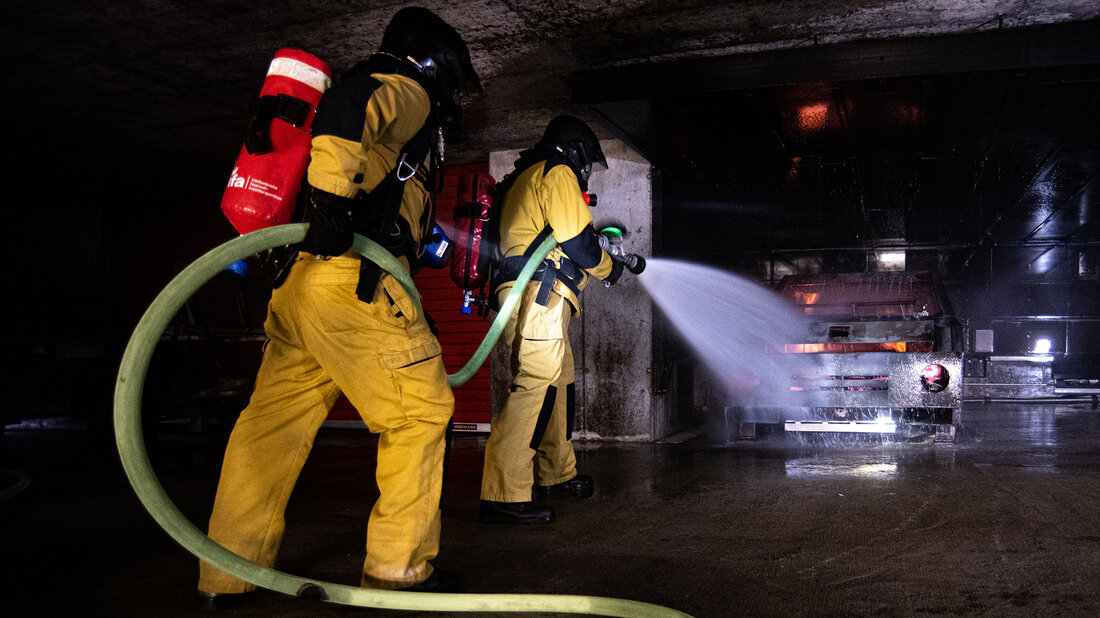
737 328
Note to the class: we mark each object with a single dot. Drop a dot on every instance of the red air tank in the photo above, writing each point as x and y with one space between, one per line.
471 261
272 164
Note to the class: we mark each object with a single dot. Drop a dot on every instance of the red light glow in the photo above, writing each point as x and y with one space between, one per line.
813 117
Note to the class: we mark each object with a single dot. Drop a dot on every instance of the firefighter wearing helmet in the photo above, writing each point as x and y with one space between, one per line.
336 324
544 195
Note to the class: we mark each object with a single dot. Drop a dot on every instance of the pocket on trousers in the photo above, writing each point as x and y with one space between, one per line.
401 306
335 308
424 393
417 350
539 322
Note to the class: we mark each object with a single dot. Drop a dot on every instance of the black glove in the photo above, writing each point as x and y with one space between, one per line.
616 272
330 227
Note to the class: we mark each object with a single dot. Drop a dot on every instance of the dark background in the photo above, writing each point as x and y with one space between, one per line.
785 139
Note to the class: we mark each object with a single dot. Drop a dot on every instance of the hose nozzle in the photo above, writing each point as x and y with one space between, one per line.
634 263
611 241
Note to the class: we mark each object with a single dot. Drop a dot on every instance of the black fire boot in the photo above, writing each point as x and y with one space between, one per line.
515 513
224 601
580 486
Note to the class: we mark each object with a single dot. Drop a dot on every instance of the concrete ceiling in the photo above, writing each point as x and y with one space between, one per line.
780 125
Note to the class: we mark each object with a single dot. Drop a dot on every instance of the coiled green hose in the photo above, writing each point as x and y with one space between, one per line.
135 460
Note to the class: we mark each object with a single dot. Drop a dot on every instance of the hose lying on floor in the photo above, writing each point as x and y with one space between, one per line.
135 460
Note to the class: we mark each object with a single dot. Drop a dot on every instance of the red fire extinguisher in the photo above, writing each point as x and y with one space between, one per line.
471 262
272 163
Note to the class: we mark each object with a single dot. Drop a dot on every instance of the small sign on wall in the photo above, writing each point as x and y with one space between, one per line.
983 341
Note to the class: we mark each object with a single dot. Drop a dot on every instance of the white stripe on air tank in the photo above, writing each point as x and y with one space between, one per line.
298 70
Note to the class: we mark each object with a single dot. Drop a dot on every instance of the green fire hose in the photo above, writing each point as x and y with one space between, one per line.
139 470
462 375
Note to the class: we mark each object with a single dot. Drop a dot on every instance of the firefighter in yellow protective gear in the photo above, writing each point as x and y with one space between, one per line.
544 195
338 324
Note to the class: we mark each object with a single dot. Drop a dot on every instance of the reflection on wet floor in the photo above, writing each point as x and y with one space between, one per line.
1035 436
812 467
1001 523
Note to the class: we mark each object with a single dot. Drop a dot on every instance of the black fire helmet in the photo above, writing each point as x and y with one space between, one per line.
577 143
422 36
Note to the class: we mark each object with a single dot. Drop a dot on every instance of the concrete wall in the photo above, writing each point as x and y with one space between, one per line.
612 338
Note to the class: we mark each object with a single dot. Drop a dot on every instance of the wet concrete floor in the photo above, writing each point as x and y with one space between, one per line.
1004 523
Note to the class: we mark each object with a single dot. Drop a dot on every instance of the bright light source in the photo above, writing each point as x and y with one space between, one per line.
890 260
1042 346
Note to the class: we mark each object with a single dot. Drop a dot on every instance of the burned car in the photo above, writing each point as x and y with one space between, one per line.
887 356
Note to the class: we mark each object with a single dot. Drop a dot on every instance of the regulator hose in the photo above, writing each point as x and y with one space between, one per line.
139 470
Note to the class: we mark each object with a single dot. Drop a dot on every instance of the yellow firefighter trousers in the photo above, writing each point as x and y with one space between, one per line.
542 366
323 340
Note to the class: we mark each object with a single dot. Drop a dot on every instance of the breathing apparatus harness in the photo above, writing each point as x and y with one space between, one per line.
376 215
508 268
567 141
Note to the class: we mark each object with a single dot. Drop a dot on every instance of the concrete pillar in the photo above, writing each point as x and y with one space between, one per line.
612 339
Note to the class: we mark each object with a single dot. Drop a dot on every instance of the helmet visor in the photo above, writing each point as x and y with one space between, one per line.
592 156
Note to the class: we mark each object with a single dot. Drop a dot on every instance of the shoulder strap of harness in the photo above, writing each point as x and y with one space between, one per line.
508 269
379 217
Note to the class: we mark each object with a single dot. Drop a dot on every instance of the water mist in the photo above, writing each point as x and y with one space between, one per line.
738 328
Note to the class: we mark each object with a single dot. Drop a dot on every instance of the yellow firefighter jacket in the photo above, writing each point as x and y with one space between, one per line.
541 199
377 115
